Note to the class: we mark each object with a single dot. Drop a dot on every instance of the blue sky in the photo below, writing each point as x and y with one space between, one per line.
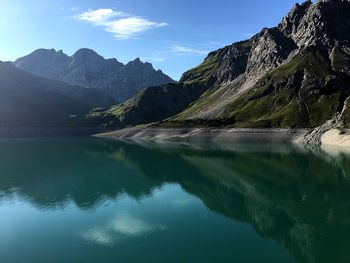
174 35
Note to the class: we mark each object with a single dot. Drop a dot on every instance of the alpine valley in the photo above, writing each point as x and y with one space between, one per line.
295 75
244 158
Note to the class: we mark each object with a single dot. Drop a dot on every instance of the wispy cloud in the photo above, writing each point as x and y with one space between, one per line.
183 50
176 50
120 24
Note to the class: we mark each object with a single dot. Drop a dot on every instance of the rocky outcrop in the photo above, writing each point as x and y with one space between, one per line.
338 122
88 69
270 49
340 59
314 137
320 24
221 66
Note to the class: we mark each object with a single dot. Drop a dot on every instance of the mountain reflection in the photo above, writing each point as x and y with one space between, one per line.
298 197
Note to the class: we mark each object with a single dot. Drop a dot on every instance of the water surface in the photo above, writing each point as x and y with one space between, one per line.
90 200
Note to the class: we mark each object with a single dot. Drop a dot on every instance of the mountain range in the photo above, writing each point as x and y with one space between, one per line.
295 75
88 69
50 89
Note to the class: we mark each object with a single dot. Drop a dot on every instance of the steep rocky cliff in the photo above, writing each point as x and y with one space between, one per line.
297 74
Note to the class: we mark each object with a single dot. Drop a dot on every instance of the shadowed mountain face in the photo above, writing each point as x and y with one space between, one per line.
291 195
88 69
32 101
294 75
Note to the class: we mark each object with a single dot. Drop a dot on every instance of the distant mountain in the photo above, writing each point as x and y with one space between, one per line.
294 75
88 69
27 100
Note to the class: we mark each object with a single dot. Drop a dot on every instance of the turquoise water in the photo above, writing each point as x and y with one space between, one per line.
90 200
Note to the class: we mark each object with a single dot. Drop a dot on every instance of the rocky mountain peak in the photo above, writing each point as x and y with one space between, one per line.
86 55
89 69
221 66
138 64
43 53
321 24
291 21
318 23
86 51
39 62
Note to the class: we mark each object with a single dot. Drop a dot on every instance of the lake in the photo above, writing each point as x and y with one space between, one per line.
93 200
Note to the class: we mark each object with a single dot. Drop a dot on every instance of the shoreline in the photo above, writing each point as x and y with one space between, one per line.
206 134
331 137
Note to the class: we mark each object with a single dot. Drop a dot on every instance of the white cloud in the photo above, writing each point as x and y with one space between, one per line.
100 16
177 50
182 50
120 24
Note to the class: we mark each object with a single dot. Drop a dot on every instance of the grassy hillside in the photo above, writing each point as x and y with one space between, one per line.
304 92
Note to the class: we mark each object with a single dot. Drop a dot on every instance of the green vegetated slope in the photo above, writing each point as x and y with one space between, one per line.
304 92
149 105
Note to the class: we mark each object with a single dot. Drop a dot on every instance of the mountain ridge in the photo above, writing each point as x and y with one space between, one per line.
89 69
27 100
294 75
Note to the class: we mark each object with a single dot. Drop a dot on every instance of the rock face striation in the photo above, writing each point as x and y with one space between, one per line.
88 69
295 75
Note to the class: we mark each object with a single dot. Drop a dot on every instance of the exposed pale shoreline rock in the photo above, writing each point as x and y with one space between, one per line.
206 134
334 136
